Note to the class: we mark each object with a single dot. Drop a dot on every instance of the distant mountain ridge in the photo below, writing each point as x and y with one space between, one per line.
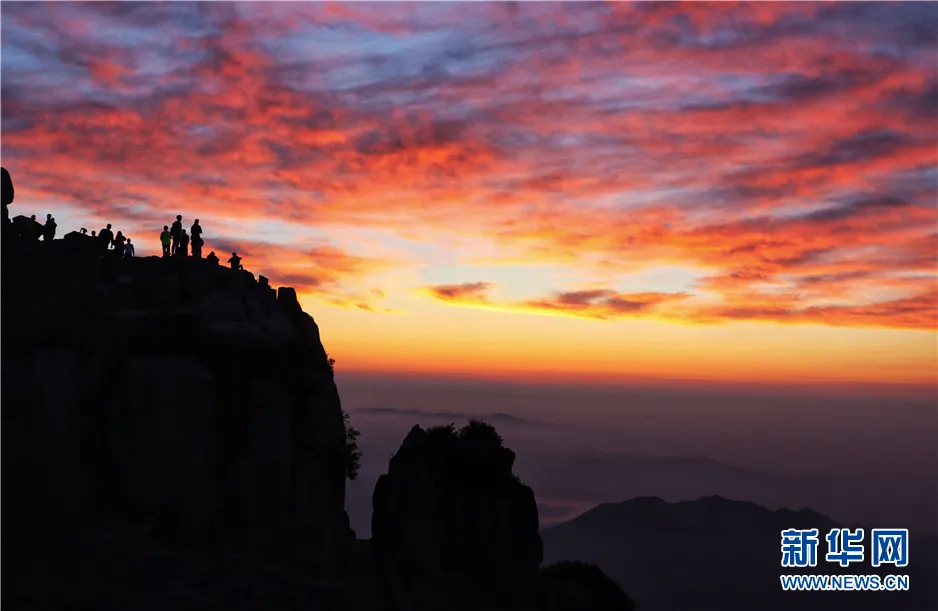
497 417
598 477
722 555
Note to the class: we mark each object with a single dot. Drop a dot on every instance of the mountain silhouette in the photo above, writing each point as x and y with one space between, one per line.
194 402
174 438
722 555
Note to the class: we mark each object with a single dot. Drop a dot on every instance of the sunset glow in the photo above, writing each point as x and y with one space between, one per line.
588 191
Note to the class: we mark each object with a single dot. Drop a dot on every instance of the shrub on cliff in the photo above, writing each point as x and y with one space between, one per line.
473 454
352 453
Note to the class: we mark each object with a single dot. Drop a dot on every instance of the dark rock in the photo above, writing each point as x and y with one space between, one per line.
6 187
172 392
286 297
197 408
579 586
453 525
6 195
26 228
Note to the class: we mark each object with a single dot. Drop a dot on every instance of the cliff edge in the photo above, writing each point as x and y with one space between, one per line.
173 438
191 399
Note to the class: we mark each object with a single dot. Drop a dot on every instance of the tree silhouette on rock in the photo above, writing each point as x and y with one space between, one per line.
456 527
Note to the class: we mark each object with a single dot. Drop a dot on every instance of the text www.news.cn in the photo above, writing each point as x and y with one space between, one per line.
837 583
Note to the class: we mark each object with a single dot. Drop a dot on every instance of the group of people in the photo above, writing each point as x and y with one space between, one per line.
175 242
34 230
122 245
21 227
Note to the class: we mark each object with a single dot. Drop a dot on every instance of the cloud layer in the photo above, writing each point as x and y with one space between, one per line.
785 152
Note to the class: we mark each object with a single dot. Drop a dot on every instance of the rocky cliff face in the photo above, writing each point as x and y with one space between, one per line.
190 397
160 416
453 527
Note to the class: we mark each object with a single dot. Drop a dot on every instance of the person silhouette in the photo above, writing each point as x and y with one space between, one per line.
176 232
83 231
182 249
196 229
119 241
212 258
129 249
165 238
106 236
93 233
35 230
48 233
235 261
197 243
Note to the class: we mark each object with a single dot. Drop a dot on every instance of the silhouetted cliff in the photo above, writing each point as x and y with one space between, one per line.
173 439
452 525
187 396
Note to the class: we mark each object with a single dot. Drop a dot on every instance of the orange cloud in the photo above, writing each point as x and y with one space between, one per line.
599 304
604 304
919 311
316 270
470 292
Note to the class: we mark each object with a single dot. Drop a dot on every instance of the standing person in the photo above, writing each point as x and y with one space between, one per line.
182 249
177 232
48 233
234 261
129 249
197 244
165 238
35 230
119 241
196 230
106 237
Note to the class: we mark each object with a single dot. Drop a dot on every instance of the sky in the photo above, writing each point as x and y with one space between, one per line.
599 193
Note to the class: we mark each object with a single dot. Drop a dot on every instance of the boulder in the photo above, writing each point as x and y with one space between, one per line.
454 526
26 228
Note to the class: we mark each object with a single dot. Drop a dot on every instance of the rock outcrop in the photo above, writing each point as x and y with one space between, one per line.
185 395
577 586
173 437
453 527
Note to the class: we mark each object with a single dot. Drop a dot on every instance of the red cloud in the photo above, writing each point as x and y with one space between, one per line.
604 304
470 292
919 311
787 155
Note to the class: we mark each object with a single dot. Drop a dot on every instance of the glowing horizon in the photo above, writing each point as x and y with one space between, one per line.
597 192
